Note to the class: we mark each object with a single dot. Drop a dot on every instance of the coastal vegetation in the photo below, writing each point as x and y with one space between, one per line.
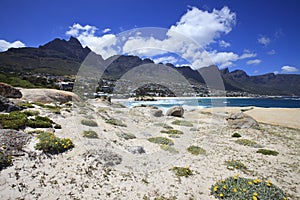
236 188
49 143
88 122
115 122
182 123
196 150
90 134
267 152
161 140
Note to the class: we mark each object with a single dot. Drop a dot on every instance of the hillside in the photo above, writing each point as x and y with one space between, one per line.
61 57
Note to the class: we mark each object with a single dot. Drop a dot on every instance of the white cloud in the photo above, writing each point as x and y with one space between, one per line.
276 72
87 37
224 44
4 45
204 27
256 71
167 59
264 40
272 52
190 38
253 62
106 30
288 69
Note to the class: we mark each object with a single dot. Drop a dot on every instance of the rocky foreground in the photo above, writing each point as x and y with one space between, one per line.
121 153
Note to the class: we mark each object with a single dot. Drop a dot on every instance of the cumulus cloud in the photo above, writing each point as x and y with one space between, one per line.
190 38
4 45
87 36
288 69
224 44
253 62
106 30
264 40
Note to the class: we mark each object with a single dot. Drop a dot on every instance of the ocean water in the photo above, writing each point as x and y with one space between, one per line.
278 102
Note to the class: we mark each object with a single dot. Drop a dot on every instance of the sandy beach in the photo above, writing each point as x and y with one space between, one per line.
109 167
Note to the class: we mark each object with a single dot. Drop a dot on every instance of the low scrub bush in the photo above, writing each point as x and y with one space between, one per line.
49 143
39 122
115 122
182 123
5 160
90 134
14 120
267 152
247 142
236 188
182 171
236 135
126 136
89 122
235 164
195 150
161 140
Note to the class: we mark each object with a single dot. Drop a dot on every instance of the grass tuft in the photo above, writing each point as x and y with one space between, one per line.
115 122
267 152
247 142
90 134
89 122
236 135
182 123
161 140
195 150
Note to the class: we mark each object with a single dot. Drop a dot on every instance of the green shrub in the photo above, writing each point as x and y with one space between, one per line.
89 122
247 142
26 105
57 126
126 136
236 135
172 131
161 140
115 122
90 134
267 152
182 123
55 109
5 160
49 143
31 112
182 171
14 120
195 150
169 149
39 122
236 188
235 164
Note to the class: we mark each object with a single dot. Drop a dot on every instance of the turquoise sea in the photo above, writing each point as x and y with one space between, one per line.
276 102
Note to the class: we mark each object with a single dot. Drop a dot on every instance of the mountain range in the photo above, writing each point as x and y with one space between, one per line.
61 57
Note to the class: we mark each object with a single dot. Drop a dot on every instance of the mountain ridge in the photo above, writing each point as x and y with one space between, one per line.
62 57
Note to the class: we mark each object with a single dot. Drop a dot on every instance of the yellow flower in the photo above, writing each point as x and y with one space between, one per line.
244 190
256 180
284 198
249 183
254 198
216 188
234 190
221 195
223 181
255 194
224 186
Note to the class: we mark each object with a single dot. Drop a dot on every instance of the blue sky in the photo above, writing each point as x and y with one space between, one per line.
258 36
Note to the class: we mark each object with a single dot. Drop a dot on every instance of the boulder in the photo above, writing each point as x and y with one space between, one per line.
9 91
136 149
148 110
48 95
7 106
176 111
241 121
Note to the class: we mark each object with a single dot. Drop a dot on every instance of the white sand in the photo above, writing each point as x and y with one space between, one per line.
72 175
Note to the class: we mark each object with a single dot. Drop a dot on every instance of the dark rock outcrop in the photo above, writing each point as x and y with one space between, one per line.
13 141
9 91
7 106
176 111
